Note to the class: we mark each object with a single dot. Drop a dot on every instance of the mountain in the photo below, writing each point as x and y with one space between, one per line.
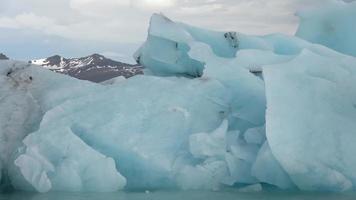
3 57
96 68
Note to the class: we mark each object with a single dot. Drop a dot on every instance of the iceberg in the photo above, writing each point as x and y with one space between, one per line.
139 141
214 110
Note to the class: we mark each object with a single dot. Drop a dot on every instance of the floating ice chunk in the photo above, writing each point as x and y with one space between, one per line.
312 136
267 170
332 25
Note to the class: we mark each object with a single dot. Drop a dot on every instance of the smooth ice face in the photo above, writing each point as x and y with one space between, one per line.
68 164
333 25
310 120
268 170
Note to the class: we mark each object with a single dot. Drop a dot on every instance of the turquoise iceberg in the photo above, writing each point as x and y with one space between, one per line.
214 110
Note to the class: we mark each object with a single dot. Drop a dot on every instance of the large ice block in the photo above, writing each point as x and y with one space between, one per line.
142 123
310 120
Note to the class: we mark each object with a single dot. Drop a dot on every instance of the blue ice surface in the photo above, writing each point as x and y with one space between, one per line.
321 96
215 111
332 25
277 56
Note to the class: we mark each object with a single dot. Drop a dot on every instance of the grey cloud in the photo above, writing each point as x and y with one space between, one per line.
125 20
119 21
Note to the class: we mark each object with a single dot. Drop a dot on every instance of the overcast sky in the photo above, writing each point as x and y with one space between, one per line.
41 28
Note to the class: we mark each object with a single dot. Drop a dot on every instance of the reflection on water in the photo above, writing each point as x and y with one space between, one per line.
178 195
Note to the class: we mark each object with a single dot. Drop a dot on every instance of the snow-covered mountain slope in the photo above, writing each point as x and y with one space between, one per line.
96 68
3 57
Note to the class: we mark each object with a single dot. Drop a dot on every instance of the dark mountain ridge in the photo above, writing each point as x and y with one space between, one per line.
96 67
3 57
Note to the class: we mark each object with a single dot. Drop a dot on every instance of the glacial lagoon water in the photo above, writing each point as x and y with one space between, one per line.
180 195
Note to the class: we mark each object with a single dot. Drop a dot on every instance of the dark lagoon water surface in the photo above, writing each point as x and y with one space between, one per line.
180 195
